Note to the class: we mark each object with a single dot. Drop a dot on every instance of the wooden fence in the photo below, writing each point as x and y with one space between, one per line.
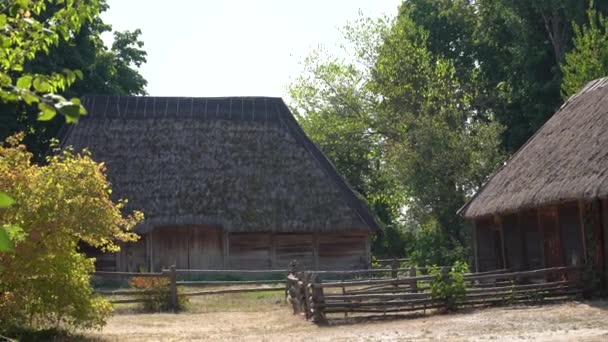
314 297
173 275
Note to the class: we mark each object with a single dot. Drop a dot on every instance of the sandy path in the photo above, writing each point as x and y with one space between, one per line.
559 322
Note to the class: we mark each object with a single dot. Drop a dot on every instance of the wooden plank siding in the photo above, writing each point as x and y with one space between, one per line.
338 251
202 247
535 238
489 245
514 249
572 238
553 251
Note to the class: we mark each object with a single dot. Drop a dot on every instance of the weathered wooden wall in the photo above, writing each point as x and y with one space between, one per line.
550 236
528 221
514 243
572 236
338 251
488 245
210 248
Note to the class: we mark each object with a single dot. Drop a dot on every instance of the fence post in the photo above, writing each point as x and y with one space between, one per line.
394 267
414 284
318 300
173 288
291 269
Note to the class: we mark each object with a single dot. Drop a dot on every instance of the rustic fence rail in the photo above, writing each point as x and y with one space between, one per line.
314 298
172 275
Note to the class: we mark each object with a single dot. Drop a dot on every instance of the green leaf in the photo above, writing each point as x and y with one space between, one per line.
2 19
47 112
69 109
24 82
41 85
5 80
29 98
5 200
5 242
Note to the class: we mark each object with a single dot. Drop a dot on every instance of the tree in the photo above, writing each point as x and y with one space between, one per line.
589 58
32 27
440 148
333 104
105 71
44 283
398 124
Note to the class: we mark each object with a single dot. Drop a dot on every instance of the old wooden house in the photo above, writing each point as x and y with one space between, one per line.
224 183
548 206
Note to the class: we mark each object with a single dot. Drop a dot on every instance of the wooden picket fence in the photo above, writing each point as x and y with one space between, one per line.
316 296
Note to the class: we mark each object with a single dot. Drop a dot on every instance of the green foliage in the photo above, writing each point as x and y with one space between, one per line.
429 247
157 293
5 241
449 287
334 105
440 148
588 59
44 283
30 28
399 124
102 71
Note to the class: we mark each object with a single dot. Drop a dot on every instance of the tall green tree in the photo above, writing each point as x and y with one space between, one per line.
334 105
439 147
589 58
397 122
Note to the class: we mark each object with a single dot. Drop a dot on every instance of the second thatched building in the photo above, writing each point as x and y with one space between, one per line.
548 206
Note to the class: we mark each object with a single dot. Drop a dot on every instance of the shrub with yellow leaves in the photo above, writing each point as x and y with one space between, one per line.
44 278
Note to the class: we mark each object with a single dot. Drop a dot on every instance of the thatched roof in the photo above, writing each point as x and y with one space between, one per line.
567 159
240 163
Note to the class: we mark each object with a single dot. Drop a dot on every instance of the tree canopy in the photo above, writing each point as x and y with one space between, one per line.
433 101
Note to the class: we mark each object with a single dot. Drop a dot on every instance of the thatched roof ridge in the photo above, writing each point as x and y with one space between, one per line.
565 160
242 163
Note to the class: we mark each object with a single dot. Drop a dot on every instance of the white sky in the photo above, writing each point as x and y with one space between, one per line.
234 47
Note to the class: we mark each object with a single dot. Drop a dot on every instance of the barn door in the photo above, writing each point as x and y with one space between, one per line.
551 237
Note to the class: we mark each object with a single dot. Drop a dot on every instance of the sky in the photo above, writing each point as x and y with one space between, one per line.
234 47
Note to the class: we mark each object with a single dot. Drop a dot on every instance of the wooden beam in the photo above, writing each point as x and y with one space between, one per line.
475 246
581 213
560 236
524 246
541 233
368 251
498 221
150 250
273 251
226 249
315 249
604 226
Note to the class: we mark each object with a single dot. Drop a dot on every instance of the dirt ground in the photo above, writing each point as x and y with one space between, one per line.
267 319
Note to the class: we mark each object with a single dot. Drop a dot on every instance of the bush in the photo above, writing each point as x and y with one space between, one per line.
449 287
45 280
157 293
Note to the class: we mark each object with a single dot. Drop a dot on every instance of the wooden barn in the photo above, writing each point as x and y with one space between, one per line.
548 206
229 183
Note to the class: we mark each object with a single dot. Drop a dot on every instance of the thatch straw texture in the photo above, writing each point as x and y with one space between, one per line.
242 164
567 159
